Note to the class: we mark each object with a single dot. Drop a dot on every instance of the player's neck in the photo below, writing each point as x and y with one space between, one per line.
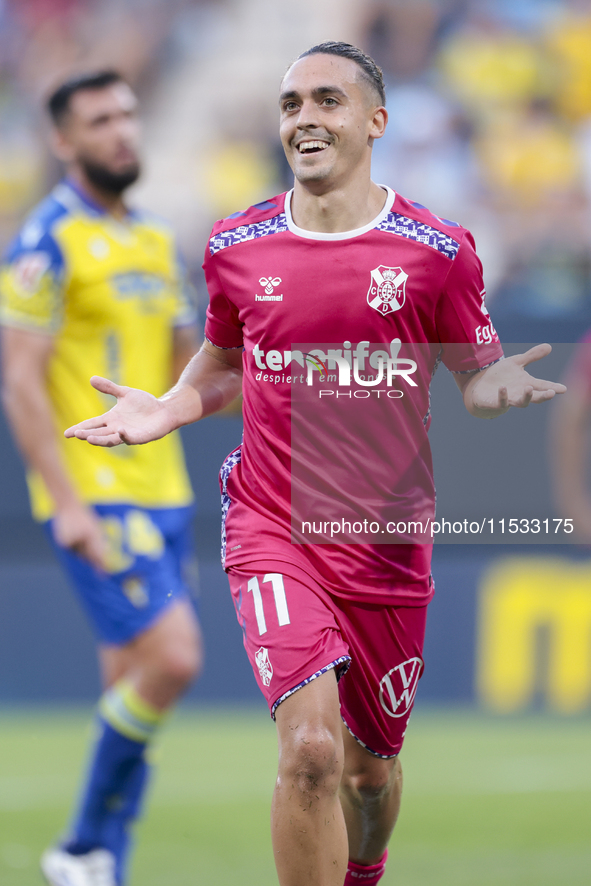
111 203
338 210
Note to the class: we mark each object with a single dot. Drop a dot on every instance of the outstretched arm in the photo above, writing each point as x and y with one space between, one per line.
211 380
492 391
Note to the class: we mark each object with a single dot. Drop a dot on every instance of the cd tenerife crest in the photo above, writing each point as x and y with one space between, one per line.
387 291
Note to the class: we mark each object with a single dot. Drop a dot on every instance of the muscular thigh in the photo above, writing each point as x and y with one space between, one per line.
378 691
289 628
174 634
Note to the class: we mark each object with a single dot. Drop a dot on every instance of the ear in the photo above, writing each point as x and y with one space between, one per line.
378 123
60 145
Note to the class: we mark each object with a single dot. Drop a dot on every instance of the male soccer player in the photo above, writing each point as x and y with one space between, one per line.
340 260
86 283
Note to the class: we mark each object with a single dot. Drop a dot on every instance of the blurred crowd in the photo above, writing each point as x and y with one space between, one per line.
490 123
489 104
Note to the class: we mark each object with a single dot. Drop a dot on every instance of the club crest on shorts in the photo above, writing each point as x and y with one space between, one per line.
399 686
264 665
387 291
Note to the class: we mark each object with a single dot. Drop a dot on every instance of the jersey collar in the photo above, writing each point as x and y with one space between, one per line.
340 235
74 198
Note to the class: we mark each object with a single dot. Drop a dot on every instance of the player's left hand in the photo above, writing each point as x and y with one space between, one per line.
507 383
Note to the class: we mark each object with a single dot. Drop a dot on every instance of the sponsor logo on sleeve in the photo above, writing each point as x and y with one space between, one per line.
28 271
487 333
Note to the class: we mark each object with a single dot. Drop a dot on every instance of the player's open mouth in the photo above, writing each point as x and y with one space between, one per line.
312 147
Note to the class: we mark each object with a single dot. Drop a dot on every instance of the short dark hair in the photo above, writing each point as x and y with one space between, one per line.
58 103
370 71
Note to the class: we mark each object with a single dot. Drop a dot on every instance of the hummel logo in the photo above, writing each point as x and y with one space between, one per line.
270 283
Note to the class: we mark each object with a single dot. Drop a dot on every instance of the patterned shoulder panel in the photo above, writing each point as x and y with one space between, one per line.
36 233
245 232
421 232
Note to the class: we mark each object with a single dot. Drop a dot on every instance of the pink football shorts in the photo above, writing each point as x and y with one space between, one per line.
294 631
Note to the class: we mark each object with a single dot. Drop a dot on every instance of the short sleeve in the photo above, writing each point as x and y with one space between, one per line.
185 300
222 326
32 285
463 323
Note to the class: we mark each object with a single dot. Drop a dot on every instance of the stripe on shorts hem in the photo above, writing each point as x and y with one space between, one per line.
341 663
363 745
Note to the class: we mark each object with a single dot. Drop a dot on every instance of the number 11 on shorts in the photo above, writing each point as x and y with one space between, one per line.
276 580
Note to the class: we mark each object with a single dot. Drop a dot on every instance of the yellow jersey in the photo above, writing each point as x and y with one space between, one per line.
110 293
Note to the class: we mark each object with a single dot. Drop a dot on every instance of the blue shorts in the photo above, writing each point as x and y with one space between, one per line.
150 563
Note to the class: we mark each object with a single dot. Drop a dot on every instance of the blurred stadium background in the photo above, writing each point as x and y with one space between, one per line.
490 124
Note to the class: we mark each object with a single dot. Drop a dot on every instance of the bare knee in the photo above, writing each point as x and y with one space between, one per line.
179 664
170 652
373 780
172 657
311 761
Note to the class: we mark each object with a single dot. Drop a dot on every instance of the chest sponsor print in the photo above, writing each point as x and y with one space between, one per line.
387 290
148 289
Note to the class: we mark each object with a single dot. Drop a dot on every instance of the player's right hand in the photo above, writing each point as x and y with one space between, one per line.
137 417
77 528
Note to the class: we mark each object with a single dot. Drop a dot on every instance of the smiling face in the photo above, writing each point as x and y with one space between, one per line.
330 116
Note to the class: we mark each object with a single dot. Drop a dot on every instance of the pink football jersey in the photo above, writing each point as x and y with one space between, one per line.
341 335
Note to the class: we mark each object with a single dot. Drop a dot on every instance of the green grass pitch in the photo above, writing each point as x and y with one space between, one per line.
488 802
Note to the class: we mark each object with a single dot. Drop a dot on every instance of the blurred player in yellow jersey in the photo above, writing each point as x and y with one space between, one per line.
89 285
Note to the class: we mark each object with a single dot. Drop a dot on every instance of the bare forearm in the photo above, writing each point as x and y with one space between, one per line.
206 386
29 413
211 380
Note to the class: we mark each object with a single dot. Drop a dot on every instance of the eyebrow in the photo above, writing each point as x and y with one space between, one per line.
319 91
102 116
